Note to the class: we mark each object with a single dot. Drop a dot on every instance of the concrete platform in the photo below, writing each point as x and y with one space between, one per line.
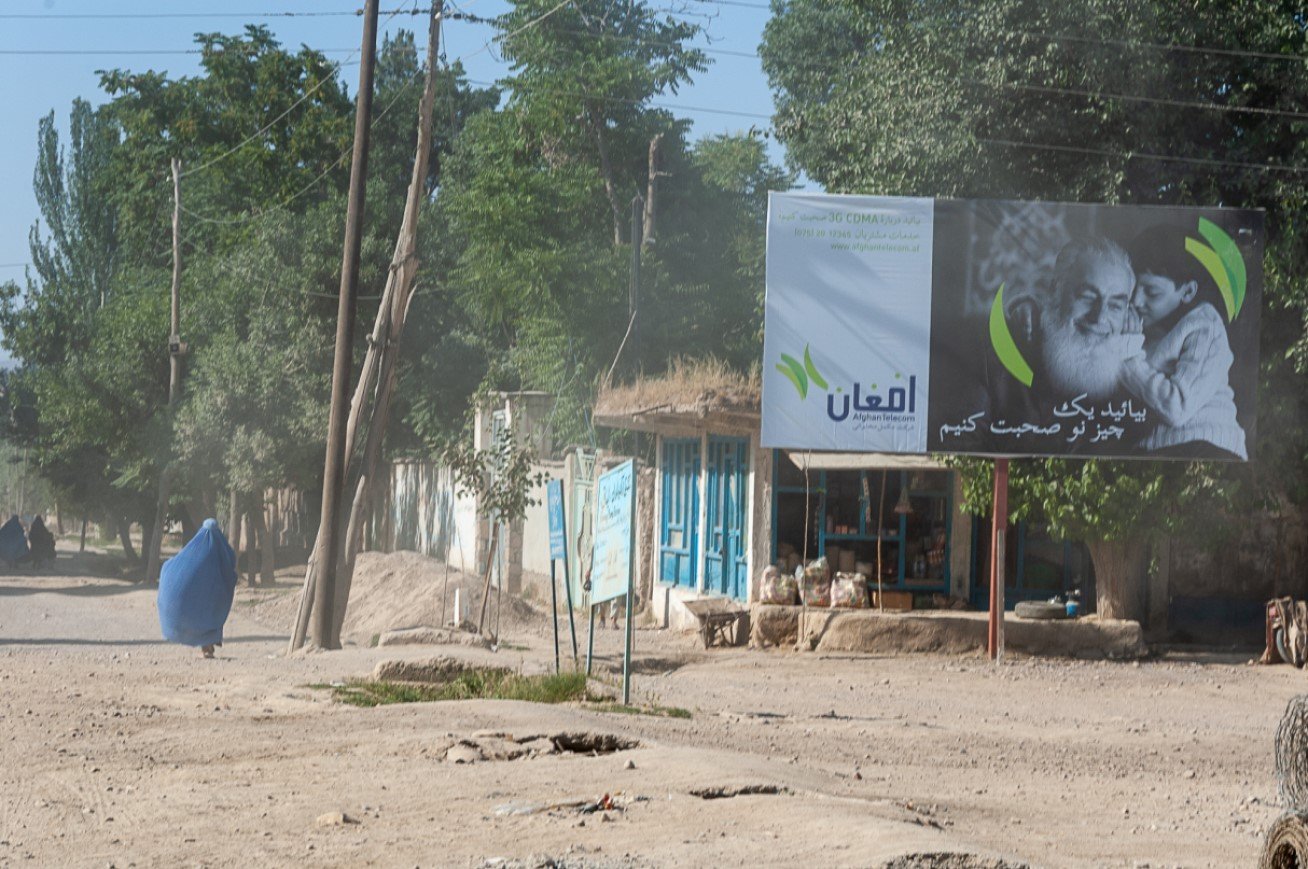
943 631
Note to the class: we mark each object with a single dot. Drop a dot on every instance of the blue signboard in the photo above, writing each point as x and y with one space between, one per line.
616 512
558 533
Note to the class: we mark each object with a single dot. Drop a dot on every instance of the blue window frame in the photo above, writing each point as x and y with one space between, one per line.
679 520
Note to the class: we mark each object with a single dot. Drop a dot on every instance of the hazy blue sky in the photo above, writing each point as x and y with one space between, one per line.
38 83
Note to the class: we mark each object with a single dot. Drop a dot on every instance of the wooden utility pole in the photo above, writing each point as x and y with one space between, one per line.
380 362
155 543
328 551
633 291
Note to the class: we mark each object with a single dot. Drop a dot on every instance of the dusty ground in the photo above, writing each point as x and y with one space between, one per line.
116 749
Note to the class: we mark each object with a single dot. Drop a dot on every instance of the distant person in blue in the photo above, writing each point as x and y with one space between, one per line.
41 542
196 587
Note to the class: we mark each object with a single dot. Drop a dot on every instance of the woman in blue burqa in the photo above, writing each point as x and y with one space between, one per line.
196 587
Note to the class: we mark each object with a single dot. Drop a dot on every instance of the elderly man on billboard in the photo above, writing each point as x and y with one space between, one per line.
1076 336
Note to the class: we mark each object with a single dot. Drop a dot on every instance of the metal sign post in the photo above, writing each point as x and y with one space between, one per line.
998 542
559 552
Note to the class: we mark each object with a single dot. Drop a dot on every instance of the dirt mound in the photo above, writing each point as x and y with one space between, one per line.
398 590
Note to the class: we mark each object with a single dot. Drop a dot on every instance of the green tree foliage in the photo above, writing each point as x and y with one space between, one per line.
535 209
263 135
1021 99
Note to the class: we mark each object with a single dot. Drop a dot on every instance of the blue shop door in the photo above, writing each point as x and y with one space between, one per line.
725 558
679 513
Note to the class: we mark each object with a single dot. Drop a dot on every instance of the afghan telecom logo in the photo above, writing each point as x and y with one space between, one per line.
859 403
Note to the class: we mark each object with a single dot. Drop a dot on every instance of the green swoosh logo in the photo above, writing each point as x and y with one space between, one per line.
813 375
1211 261
790 367
1231 260
1002 340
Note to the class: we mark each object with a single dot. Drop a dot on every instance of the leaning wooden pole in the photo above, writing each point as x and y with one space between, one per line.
379 361
335 459
403 272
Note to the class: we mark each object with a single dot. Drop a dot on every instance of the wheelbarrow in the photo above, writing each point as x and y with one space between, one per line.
719 619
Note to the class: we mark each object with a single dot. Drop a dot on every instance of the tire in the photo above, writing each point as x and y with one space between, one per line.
1035 609
1287 844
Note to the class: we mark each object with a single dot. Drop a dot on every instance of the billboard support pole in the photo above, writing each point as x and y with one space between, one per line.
998 533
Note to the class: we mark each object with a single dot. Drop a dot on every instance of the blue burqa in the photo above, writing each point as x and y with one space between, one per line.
13 541
196 587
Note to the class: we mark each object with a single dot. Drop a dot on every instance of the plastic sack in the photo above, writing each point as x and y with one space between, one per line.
13 541
815 584
777 588
196 587
849 591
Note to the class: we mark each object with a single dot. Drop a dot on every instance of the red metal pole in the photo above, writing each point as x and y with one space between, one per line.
998 527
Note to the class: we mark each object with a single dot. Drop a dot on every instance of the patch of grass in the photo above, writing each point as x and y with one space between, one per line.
374 640
655 710
474 684
514 647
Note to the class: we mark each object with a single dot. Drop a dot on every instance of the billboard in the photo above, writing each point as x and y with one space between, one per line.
907 325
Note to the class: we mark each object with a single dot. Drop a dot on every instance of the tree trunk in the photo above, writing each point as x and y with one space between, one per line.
234 528
267 553
125 537
651 189
1121 578
59 520
251 549
606 172
81 547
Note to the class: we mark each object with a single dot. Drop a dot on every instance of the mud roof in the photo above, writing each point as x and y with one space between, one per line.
692 396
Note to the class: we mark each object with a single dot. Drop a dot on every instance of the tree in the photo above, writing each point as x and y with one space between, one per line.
535 209
1019 99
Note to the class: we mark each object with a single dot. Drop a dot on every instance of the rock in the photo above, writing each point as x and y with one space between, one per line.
438 670
334 819
464 752
427 636
631 764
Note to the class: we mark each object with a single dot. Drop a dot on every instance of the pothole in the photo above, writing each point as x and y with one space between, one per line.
950 861
504 746
593 743
727 792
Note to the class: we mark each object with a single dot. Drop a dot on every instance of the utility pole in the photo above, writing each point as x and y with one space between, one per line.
334 463
175 349
633 293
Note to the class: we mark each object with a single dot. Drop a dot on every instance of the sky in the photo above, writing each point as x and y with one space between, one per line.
51 58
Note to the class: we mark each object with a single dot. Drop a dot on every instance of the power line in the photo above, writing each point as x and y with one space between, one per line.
103 52
111 16
1132 155
627 100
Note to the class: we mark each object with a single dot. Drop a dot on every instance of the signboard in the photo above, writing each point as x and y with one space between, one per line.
906 325
558 533
615 493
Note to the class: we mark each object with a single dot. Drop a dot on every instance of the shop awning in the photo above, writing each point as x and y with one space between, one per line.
812 461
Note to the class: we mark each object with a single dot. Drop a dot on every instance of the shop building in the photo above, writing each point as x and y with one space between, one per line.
725 508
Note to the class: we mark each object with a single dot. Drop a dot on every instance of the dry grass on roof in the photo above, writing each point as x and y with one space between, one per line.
688 385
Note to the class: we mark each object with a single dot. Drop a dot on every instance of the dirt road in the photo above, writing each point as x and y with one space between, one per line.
117 749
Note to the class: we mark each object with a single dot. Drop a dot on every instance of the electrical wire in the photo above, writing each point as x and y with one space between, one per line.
1131 155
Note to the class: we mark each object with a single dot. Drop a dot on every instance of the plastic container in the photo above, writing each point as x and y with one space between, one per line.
1073 609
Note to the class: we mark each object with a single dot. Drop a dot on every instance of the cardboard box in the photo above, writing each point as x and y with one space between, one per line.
893 601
